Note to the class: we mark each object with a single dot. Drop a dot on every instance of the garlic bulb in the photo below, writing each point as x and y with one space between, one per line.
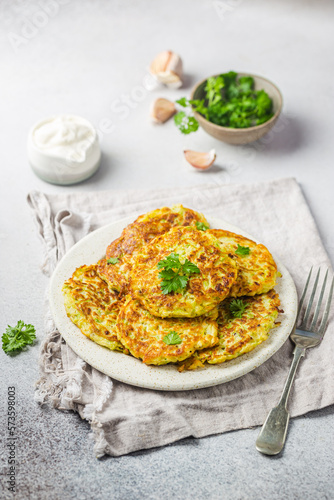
167 69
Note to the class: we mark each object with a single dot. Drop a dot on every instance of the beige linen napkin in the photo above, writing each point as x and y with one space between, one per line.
125 418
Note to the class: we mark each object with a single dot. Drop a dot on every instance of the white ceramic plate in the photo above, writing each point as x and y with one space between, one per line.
132 371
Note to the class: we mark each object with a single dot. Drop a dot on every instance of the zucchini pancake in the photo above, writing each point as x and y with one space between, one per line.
214 273
238 335
140 233
92 307
171 290
159 341
257 270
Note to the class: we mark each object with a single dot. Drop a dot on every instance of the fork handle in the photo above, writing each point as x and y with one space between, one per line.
273 433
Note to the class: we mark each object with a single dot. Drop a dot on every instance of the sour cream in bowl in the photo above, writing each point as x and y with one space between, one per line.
64 149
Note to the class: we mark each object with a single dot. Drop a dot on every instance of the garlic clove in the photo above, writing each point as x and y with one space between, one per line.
167 68
162 109
160 62
201 161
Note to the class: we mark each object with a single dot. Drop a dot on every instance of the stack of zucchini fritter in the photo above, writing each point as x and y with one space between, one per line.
171 290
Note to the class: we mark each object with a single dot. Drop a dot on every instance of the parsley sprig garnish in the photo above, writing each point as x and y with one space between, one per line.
201 226
172 338
242 250
17 337
185 122
174 274
113 260
237 308
228 101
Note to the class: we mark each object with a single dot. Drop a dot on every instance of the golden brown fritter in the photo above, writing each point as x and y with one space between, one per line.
217 273
257 271
239 335
92 307
139 233
152 224
115 275
147 337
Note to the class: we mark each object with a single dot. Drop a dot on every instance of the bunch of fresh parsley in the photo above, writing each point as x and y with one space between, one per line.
174 274
229 101
17 337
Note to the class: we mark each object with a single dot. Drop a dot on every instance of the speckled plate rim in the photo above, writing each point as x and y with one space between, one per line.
131 370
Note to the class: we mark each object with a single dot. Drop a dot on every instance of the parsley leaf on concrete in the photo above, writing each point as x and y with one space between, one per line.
17 337
185 123
183 102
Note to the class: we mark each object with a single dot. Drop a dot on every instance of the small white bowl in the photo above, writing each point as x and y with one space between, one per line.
63 165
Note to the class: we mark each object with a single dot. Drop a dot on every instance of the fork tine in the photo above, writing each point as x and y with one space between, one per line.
310 302
326 313
305 290
316 314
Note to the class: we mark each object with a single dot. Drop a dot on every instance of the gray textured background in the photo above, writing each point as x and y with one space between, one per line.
84 57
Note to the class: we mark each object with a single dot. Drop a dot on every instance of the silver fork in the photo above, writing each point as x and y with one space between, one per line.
273 433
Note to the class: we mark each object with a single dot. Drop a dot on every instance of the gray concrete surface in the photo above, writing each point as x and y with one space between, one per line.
84 57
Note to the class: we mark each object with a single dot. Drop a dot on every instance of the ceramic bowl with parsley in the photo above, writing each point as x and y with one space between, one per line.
237 108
